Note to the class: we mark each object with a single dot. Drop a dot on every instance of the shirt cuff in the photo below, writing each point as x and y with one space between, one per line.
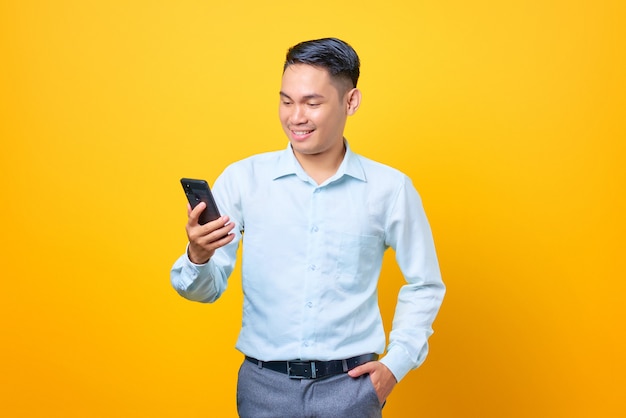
399 362
191 270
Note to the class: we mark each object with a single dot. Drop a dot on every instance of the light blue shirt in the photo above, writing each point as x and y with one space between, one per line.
312 257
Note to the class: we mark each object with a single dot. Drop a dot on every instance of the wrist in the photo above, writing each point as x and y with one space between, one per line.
197 258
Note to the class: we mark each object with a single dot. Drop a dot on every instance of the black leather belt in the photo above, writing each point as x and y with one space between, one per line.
298 369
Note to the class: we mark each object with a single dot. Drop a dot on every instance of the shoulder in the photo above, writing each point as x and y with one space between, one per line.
375 170
262 161
386 183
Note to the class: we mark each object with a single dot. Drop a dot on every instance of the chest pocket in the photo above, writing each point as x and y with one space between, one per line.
357 260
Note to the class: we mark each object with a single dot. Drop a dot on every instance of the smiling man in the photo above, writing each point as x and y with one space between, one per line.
315 220
313 110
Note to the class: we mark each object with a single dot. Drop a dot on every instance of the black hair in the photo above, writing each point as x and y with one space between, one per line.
334 55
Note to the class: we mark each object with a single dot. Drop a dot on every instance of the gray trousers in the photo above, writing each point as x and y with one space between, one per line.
263 393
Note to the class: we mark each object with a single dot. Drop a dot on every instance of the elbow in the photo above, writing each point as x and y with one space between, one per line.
193 292
194 296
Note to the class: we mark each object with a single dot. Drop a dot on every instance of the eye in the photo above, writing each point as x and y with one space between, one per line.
314 104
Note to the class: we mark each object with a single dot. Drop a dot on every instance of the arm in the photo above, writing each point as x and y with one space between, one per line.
409 234
196 275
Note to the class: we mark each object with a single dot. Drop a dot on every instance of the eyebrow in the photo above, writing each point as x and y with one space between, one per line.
307 97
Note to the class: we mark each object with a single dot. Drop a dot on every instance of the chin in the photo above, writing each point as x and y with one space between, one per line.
301 148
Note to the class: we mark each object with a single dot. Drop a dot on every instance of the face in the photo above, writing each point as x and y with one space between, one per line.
313 110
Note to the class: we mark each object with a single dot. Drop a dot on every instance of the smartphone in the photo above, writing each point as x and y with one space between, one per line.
198 191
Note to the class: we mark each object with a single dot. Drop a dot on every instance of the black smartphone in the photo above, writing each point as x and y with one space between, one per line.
198 191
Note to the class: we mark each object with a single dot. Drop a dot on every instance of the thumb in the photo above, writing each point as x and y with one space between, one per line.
361 370
194 214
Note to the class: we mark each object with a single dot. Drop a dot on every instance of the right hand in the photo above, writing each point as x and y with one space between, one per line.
205 239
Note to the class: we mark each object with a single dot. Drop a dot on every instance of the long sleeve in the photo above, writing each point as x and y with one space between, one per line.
409 234
207 282
198 282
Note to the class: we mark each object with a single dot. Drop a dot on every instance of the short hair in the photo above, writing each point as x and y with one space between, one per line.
334 55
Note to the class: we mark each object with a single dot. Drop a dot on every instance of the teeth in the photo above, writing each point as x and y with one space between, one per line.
302 132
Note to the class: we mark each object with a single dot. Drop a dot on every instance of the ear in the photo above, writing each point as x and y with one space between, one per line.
353 101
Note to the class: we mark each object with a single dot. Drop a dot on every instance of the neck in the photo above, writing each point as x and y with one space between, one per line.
320 167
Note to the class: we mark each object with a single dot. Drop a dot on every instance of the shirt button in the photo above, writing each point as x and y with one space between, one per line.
312 267
314 229
309 305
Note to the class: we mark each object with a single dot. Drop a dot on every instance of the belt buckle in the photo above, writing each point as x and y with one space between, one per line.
303 373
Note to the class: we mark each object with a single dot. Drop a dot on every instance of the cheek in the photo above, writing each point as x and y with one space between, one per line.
282 115
318 117
329 121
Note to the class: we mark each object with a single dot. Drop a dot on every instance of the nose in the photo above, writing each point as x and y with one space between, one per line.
298 115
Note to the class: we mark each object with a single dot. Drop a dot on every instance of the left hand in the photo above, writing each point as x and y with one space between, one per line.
381 377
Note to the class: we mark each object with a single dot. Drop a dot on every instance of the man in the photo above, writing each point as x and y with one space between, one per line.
315 220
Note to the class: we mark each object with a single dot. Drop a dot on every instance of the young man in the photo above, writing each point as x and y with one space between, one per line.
315 220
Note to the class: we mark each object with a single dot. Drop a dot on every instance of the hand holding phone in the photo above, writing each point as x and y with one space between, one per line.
204 241
198 191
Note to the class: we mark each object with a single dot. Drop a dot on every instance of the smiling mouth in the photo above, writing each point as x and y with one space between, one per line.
301 133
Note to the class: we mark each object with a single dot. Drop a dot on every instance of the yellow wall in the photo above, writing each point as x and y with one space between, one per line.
507 115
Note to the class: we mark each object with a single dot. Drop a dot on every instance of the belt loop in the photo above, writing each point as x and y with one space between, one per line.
313 370
344 364
260 364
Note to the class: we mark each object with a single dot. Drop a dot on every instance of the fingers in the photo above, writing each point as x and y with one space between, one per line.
212 235
201 249
362 369
194 214
382 378
205 239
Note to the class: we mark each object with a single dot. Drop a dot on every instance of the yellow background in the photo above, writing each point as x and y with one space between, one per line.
507 115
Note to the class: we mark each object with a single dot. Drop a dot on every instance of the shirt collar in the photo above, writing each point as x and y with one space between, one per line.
288 165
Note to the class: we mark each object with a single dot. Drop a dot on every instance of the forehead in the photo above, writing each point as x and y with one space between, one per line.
303 79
